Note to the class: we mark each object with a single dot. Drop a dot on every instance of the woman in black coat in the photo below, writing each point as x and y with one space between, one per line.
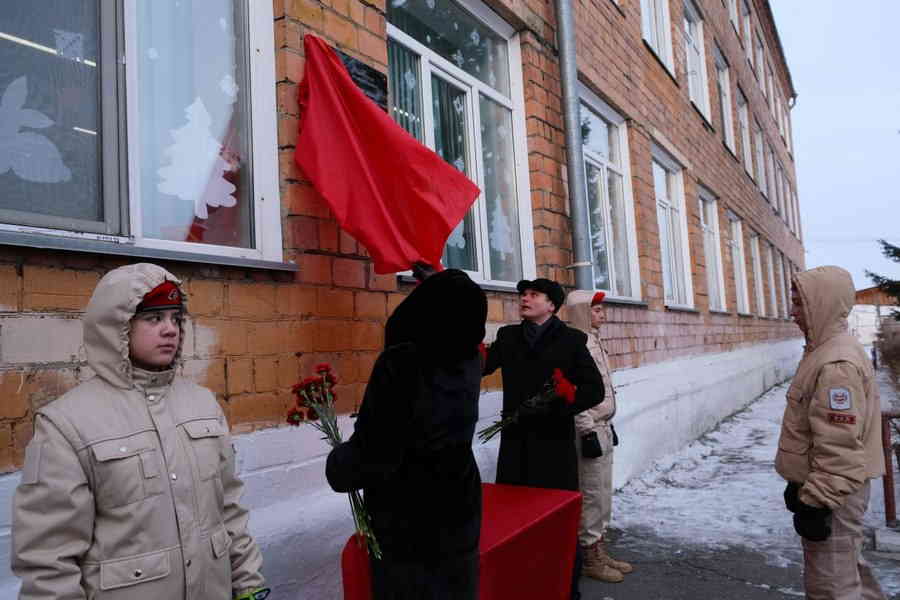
539 450
411 450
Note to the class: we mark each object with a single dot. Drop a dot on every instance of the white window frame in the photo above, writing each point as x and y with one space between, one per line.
674 209
779 263
595 103
698 83
712 250
738 263
748 31
733 16
773 298
799 226
656 29
757 274
760 156
267 233
770 169
432 63
723 85
744 123
770 84
759 71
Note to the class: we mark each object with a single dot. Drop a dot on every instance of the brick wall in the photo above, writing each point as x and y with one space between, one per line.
254 333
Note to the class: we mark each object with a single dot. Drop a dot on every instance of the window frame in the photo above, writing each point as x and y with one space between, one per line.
733 16
595 103
747 15
679 248
760 62
515 103
723 70
738 263
760 157
779 263
656 22
700 85
120 174
773 297
744 124
755 253
712 244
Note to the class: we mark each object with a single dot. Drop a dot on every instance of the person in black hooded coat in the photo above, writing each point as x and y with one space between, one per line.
411 450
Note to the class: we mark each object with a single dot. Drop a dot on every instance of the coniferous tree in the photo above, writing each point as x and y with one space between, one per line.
889 286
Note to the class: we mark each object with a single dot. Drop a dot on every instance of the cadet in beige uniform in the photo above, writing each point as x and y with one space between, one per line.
830 445
595 444
128 489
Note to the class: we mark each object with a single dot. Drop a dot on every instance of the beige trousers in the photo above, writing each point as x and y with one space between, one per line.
835 569
595 481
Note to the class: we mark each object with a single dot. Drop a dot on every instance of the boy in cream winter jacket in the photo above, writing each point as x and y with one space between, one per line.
129 489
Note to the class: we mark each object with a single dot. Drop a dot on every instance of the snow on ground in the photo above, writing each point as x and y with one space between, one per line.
722 491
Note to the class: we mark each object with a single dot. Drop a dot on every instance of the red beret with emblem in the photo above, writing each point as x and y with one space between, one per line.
165 295
598 298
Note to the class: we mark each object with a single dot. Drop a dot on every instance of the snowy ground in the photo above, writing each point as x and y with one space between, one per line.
721 495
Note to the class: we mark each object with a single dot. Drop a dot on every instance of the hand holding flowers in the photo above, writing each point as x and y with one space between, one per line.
555 389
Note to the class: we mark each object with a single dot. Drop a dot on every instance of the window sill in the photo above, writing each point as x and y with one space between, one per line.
626 302
488 286
706 123
732 152
723 313
746 315
49 242
618 7
669 70
684 309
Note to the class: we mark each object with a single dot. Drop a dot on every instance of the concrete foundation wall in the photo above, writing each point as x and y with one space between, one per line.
302 526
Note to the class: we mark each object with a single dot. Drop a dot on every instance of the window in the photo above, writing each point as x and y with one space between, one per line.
799 227
760 159
788 130
770 265
455 84
723 85
191 103
744 125
668 187
770 84
733 14
757 274
610 205
770 170
709 225
748 29
656 29
760 61
779 267
696 58
738 262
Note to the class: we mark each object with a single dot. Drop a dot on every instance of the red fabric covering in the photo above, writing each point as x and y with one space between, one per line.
598 298
165 295
528 538
394 195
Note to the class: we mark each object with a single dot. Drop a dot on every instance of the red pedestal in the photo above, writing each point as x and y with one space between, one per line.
527 548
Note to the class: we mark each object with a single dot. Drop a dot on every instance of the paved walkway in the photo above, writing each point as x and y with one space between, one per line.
709 522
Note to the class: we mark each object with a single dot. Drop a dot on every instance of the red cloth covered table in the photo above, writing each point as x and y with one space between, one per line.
527 548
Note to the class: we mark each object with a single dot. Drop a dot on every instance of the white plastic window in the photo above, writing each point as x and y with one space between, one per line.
744 125
696 58
709 225
757 274
723 86
738 262
655 25
668 188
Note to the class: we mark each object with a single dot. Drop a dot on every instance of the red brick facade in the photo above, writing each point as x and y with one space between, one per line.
255 332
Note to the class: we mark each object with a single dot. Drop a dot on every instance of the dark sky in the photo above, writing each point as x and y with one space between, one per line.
844 58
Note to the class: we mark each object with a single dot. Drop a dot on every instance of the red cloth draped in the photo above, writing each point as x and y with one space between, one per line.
394 195
527 546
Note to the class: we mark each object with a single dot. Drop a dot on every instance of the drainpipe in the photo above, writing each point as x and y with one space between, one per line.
568 67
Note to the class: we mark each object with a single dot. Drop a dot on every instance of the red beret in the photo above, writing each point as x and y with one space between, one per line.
598 298
165 295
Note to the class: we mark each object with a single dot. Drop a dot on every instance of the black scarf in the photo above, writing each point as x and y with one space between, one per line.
533 332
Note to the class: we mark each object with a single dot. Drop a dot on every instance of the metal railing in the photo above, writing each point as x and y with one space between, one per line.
890 500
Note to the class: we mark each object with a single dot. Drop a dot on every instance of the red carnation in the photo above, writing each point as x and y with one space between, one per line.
311 414
323 368
563 387
295 417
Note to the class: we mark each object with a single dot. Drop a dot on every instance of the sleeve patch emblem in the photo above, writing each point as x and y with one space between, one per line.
840 399
841 419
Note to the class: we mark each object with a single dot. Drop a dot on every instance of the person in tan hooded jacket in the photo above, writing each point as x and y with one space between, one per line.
830 444
593 428
128 488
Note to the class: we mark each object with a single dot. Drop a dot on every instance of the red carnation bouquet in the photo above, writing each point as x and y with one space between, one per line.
314 399
556 387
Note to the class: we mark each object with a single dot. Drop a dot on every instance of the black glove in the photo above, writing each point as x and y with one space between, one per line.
812 523
791 502
590 445
529 408
615 435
